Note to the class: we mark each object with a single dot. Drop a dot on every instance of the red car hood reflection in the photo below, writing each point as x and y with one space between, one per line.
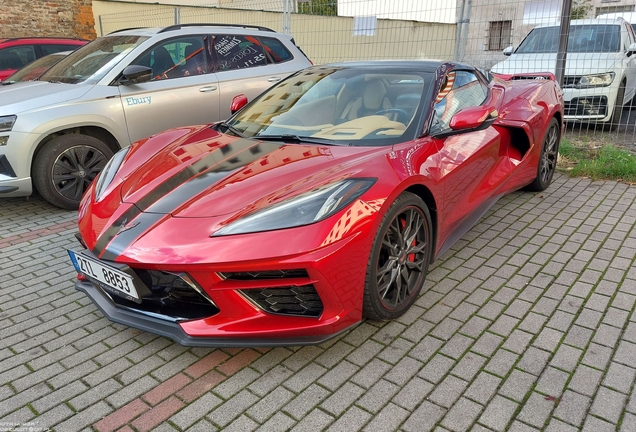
205 174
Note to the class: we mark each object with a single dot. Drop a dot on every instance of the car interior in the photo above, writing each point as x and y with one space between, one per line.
374 104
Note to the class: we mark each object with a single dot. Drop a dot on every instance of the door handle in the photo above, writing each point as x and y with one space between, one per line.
207 89
273 79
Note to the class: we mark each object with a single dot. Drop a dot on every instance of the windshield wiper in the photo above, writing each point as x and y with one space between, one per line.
289 138
230 128
7 82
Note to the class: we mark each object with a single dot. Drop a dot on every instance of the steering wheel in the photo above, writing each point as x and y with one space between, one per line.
400 115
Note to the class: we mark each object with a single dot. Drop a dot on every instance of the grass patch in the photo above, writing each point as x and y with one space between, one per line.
598 162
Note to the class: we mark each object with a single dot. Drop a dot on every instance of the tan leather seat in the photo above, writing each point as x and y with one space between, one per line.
373 100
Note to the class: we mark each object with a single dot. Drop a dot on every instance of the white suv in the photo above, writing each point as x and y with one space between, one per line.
58 132
600 68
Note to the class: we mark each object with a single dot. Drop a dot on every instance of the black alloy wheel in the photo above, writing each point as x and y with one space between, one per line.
66 166
548 157
399 259
75 169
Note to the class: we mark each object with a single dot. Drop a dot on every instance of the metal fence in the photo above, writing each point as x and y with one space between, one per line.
506 36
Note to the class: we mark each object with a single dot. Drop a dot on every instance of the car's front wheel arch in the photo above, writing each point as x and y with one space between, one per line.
93 131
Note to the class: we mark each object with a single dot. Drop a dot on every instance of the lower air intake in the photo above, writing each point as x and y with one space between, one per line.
172 297
287 300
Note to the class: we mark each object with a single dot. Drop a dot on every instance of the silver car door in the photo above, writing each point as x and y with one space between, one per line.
182 92
242 68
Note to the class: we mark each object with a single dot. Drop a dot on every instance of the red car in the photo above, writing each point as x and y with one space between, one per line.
321 202
18 52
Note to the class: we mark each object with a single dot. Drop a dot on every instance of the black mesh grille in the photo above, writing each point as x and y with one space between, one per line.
590 105
287 300
266 274
171 296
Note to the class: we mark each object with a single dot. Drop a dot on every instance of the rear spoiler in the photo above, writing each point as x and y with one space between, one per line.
526 76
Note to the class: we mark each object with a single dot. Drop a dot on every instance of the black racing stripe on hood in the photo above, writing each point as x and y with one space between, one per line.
178 189
235 158
112 230
141 224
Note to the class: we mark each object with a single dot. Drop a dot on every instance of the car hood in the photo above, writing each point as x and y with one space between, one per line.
576 63
20 97
204 173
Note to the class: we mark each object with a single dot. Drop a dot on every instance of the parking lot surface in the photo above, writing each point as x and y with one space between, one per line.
526 324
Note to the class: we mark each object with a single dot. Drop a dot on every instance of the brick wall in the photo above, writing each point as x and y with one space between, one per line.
67 18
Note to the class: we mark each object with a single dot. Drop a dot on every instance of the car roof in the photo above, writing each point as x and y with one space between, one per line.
606 21
197 28
43 39
419 65
628 16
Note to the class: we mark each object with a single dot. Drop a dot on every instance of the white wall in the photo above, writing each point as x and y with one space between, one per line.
441 11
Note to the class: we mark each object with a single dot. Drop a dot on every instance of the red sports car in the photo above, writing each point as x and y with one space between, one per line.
321 202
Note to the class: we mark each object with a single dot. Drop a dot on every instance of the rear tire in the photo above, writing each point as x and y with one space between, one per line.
399 259
65 167
547 158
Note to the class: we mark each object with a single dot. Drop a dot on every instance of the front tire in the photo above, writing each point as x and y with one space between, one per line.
399 259
617 113
66 166
547 158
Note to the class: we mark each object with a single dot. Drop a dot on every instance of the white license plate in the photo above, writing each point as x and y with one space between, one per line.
109 276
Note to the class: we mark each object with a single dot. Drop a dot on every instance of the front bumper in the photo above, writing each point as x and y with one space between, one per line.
252 305
175 332
592 104
15 166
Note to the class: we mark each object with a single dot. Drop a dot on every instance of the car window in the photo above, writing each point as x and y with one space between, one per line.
238 52
93 60
461 89
584 38
34 69
276 50
631 29
16 56
176 58
55 48
339 105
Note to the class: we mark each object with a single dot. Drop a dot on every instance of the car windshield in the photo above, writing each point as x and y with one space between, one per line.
347 106
92 61
586 38
34 69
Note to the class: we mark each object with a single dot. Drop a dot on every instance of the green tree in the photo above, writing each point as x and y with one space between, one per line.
318 7
581 9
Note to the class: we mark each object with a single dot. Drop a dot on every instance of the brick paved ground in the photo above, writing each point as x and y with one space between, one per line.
526 324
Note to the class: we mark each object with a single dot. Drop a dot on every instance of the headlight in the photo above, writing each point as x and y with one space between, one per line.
6 123
598 80
108 173
301 210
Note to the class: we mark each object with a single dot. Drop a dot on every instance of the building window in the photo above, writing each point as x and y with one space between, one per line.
499 35
614 9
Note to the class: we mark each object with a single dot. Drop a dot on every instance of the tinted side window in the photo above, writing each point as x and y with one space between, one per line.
17 56
55 48
238 52
176 58
276 50
461 89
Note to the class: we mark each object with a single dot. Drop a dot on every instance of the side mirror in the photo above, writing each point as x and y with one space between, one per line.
135 74
508 51
473 118
238 102
631 49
